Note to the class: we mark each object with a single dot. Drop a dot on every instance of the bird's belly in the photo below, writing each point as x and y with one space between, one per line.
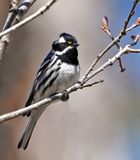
68 75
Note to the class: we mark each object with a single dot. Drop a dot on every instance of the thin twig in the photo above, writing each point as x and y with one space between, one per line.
121 66
30 18
131 50
6 38
11 15
111 61
118 46
13 18
115 41
131 13
91 84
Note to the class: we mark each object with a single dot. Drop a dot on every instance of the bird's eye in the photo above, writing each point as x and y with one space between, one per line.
69 42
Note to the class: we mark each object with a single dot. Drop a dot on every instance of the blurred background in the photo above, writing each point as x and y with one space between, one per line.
98 123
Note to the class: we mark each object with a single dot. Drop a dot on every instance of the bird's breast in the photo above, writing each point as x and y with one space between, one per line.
68 75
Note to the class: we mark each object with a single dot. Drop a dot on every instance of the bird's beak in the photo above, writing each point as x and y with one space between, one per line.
75 45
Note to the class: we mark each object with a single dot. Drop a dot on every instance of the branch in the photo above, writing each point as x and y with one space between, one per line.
116 39
132 12
3 44
74 88
46 101
5 39
89 74
111 61
131 50
30 18
105 27
21 111
14 16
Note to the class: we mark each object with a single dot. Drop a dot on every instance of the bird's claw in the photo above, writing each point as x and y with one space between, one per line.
65 96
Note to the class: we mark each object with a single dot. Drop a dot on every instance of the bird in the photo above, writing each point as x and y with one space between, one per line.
59 70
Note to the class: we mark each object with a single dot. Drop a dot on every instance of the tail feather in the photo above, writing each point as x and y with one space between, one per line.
24 141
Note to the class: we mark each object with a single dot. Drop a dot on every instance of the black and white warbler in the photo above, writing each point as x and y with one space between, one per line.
58 71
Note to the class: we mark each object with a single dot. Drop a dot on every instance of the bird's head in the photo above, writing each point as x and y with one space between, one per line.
65 41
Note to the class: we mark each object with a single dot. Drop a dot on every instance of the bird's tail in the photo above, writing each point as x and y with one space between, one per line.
24 141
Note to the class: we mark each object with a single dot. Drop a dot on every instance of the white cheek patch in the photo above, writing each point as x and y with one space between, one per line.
61 40
64 51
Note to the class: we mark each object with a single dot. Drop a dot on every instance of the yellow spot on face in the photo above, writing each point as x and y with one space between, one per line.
69 42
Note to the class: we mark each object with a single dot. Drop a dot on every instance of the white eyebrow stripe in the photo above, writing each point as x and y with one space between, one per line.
64 51
61 40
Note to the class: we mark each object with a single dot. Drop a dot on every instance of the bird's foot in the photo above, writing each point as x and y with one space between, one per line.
65 96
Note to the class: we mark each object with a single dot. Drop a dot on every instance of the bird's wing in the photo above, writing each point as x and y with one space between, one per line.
40 74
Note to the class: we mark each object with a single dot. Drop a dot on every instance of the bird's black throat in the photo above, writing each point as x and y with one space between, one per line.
70 57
